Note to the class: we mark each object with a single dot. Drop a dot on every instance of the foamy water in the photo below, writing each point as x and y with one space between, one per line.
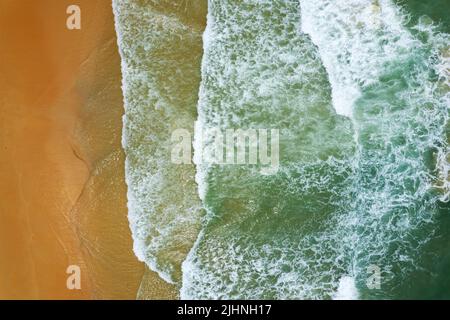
347 289
382 70
360 96
262 234
161 51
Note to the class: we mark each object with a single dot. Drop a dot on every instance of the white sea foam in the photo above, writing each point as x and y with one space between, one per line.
259 71
161 54
347 289
329 215
380 76
356 38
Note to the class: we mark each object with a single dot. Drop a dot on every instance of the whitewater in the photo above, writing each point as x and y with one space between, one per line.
358 90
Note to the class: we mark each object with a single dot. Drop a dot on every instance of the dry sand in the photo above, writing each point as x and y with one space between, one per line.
62 190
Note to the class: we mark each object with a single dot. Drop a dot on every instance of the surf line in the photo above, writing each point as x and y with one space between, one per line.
199 311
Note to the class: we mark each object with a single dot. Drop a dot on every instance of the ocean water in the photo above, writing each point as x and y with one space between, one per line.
268 236
359 91
398 103
161 47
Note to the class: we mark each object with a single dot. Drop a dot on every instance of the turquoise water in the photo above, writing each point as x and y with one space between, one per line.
388 77
436 10
358 90
269 236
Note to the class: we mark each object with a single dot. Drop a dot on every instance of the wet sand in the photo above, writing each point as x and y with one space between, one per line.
62 190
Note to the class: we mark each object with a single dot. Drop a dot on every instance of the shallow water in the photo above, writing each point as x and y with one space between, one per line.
160 44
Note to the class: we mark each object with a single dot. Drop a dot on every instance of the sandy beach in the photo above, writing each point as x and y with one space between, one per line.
62 189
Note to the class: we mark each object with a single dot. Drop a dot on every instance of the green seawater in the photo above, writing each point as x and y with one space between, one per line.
433 281
436 10
355 190
359 91
269 236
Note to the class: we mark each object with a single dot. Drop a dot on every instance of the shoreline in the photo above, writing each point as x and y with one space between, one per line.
62 185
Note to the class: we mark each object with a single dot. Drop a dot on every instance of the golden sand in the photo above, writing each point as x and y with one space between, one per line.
62 190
